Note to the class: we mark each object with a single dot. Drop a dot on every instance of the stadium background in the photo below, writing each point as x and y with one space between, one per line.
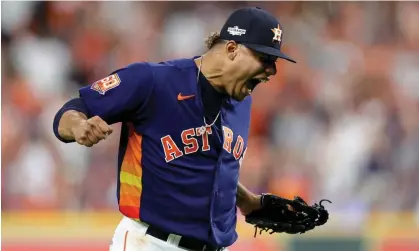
342 124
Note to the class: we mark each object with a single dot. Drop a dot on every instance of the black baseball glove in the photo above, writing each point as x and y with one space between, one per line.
279 215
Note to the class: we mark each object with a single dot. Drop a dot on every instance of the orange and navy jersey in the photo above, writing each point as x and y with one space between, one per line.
173 172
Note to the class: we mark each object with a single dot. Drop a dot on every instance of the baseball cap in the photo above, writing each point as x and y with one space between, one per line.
257 29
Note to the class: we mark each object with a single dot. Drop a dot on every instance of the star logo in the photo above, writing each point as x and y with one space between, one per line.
277 34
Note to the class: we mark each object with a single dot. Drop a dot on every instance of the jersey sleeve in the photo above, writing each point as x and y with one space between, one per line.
120 95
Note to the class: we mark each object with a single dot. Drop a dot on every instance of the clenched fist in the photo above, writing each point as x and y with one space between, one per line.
75 126
91 131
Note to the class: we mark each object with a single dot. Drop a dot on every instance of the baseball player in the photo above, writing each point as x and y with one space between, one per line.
185 126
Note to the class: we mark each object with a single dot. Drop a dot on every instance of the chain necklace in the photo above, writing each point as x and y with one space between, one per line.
202 129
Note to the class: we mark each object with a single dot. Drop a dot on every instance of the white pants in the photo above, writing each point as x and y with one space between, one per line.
131 235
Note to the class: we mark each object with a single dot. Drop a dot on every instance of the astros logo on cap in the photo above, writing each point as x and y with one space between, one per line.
277 34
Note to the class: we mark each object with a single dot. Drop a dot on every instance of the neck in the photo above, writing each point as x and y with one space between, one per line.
212 69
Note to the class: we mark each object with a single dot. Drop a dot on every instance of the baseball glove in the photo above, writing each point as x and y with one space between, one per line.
280 215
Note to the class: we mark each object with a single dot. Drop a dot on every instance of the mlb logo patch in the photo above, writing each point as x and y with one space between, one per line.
106 84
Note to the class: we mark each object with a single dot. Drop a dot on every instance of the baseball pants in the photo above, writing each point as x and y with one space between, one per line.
131 235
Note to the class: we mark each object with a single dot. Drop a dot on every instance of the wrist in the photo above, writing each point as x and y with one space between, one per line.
256 201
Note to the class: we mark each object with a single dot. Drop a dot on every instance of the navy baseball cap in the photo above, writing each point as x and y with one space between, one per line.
257 29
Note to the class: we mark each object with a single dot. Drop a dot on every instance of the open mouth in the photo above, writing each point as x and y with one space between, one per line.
252 83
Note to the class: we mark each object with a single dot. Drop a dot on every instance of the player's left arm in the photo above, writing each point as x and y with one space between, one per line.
247 201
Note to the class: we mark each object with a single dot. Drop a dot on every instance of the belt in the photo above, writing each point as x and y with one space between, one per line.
185 242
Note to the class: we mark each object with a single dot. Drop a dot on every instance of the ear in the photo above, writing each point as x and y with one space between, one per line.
232 49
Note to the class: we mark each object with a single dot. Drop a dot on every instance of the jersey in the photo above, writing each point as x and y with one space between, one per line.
173 173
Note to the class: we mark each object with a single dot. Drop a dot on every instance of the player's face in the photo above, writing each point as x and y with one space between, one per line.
248 69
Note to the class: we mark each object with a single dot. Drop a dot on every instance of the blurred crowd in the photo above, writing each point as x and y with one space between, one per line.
342 123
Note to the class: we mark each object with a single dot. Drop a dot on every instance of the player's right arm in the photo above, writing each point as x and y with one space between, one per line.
75 126
113 99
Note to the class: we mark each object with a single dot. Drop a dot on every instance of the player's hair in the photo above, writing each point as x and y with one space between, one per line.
213 39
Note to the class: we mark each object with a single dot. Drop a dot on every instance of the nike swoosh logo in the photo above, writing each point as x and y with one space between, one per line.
180 97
